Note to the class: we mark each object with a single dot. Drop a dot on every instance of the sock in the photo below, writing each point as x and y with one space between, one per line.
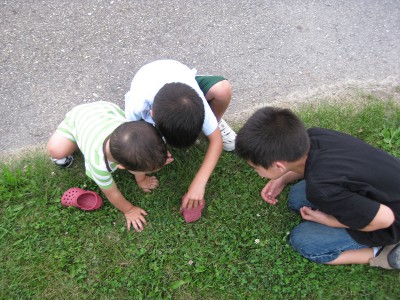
377 250
59 161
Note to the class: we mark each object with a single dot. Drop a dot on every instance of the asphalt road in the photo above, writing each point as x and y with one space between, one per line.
58 54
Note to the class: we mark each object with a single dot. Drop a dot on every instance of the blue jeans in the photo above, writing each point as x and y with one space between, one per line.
314 241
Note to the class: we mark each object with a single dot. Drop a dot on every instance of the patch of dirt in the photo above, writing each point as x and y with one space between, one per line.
351 91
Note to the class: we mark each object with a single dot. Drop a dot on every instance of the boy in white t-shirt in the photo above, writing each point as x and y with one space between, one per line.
181 105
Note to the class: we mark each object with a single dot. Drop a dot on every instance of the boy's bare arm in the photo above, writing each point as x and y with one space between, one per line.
383 219
117 199
134 215
197 187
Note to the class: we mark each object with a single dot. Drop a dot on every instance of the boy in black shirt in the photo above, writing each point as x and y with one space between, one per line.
349 196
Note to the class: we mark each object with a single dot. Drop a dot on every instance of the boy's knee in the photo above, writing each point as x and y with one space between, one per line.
298 239
59 146
53 150
300 242
308 244
226 89
221 91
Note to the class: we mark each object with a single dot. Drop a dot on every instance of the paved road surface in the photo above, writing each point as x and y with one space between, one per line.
58 54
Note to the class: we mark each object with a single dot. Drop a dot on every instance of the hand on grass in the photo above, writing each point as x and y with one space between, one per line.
271 190
135 218
170 159
193 198
147 183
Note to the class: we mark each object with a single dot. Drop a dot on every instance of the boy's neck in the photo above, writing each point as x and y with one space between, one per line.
299 165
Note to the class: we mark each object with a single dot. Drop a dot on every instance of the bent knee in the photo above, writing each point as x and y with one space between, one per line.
59 146
54 151
298 240
221 91
309 247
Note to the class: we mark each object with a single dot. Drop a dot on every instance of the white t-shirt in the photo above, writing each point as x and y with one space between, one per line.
150 79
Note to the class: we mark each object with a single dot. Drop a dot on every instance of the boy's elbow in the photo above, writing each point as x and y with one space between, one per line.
390 220
383 219
386 216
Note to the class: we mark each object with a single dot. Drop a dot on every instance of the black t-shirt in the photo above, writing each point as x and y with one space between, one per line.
349 179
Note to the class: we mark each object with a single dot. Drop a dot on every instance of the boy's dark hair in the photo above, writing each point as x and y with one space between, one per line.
272 134
178 112
138 146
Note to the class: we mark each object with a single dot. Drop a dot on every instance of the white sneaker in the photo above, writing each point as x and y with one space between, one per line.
228 135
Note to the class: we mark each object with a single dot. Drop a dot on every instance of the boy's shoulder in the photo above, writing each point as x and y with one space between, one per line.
167 65
329 137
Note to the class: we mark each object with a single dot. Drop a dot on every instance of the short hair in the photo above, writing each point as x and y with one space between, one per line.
270 135
138 146
178 112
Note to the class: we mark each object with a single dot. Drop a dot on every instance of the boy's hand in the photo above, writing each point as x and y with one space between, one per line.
271 190
147 183
135 217
193 198
170 159
309 214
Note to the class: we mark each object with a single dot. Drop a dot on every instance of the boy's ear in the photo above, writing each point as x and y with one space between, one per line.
121 167
280 165
151 113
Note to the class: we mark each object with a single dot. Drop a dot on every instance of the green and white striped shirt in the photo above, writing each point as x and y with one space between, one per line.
88 125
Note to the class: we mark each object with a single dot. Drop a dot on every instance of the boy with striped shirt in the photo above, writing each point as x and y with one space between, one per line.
109 142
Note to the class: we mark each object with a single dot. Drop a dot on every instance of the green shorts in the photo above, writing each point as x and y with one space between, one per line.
207 82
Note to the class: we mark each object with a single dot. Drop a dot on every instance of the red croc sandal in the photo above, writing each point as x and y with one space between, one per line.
85 200
193 214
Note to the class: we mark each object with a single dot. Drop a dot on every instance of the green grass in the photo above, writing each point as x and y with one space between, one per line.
51 252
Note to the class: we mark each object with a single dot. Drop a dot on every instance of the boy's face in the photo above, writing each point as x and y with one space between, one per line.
272 172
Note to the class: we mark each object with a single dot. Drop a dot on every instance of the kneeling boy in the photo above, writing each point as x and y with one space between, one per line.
349 196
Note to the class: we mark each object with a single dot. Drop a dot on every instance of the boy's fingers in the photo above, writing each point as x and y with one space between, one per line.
143 220
190 204
265 195
271 201
139 226
154 183
185 202
169 160
304 211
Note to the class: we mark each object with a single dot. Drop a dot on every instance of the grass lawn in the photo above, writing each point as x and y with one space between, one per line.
237 250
